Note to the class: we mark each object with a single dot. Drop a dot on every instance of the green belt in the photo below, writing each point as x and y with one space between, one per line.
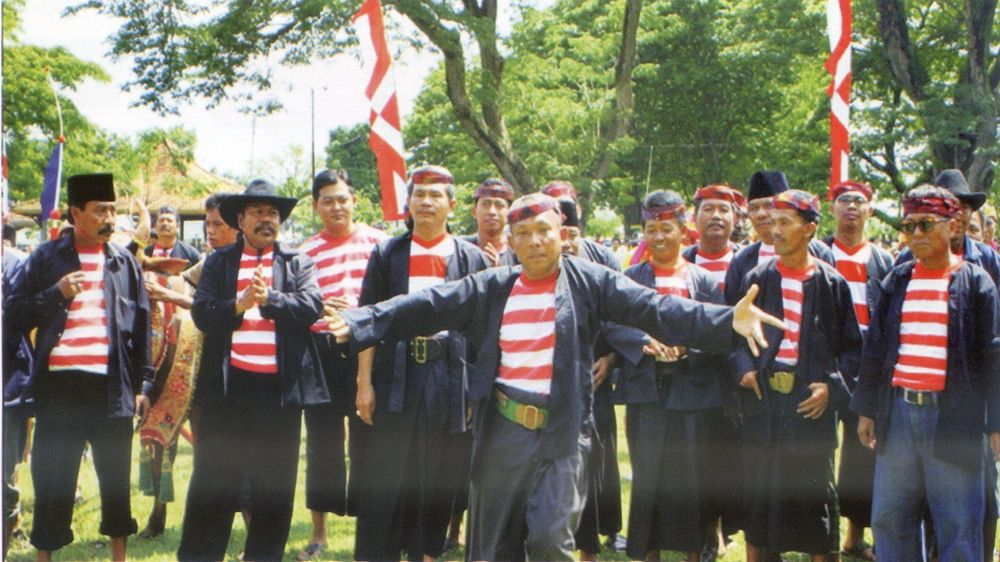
781 382
524 415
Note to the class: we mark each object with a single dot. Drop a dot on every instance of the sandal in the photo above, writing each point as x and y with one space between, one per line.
861 551
311 552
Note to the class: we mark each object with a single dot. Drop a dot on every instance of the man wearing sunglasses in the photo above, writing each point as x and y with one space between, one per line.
863 265
927 390
961 244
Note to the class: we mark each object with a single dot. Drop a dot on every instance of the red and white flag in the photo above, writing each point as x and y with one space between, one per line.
838 26
386 138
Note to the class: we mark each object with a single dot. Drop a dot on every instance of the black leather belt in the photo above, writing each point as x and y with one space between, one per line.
423 350
918 397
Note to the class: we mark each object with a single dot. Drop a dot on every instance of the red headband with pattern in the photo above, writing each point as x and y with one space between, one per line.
498 190
804 202
559 188
723 192
429 175
849 186
931 204
663 212
520 212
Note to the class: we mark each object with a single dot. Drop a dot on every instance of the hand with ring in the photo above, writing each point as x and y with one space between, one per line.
71 284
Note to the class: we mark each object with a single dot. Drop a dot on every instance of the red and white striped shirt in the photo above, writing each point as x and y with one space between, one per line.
255 346
852 263
84 343
161 251
766 253
341 263
791 301
528 335
672 281
923 332
429 261
716 264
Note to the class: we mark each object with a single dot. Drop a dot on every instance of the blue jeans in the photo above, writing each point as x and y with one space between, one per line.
906 475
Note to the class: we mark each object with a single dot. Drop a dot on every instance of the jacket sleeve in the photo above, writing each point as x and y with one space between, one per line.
849 346
304 305
742 360
30 303
449 306
734 279
625 340
375 286
987 314
142 354
212 310
668 319
864 399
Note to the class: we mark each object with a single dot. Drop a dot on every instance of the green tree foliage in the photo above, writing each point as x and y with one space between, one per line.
926 76
184 51
30 121
348 150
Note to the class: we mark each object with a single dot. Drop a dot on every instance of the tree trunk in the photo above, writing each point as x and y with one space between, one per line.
624 99
488 129
972 150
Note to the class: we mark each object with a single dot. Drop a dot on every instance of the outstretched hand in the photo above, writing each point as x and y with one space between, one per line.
748 321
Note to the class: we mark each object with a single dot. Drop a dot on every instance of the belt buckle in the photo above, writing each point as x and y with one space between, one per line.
917 397
782 382
532 417
419 349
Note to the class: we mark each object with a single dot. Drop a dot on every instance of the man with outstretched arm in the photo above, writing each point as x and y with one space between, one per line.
530 385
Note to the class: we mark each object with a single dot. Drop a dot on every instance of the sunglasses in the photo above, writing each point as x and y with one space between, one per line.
847 199
925 225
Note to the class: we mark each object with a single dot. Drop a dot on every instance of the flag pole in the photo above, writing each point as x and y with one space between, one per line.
49 199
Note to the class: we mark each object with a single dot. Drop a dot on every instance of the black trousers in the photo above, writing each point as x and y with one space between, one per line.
521 504
328 488
408 484
74 412
247 438
602 514
856 474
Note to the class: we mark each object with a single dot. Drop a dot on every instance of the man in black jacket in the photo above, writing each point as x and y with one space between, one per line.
412 390
863 265
764 186
168 242
92 367
674 398
928 390
531 394
255 302
789 433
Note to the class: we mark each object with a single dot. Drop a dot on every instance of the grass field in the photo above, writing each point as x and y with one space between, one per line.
89 545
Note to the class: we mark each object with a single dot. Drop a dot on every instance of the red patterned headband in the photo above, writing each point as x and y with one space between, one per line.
804 202
535 207
931 204
723 192
849 186
558 189
663 212
429 175
498 190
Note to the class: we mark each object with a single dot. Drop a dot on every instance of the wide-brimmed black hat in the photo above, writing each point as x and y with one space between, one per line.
89 187
259 191
954 181
766 183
